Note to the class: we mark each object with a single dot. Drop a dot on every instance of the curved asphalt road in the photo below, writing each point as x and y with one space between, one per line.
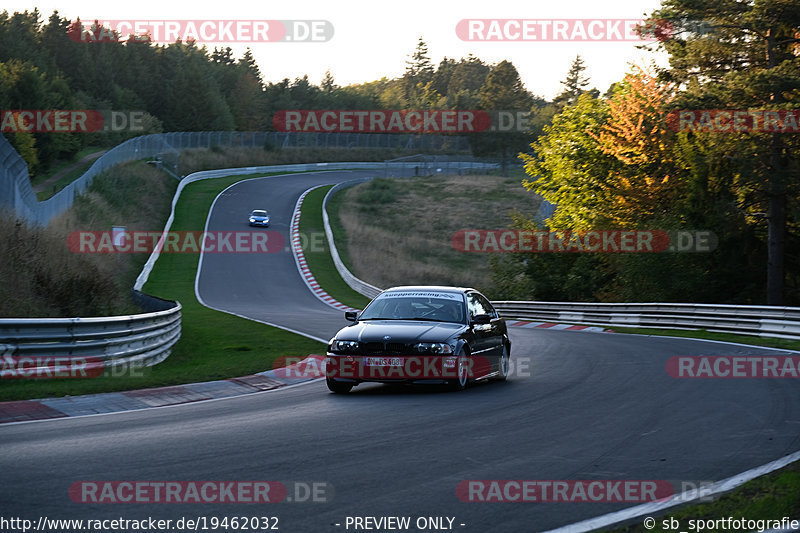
267 287
596 406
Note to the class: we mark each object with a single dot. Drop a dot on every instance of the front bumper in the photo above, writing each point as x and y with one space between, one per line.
391 368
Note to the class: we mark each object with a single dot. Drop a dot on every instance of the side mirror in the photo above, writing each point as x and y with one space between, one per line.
482 319
351 316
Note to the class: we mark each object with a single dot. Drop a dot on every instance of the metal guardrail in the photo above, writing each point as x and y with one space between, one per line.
33 345
763 321
118 341
362 287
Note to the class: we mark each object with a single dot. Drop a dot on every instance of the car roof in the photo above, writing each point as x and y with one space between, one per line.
440 288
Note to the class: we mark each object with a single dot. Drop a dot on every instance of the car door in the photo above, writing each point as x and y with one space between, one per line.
496 332
483 349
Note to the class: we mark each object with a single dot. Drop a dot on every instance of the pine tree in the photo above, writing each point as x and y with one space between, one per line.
574 85
328 85
419 72
503 91
248 62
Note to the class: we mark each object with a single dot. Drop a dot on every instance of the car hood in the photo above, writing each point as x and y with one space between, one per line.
406 331
260 217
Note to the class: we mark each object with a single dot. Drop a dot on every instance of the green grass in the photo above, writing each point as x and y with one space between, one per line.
404 228
64 180
317 252
62 164
769 497
213 345
785 344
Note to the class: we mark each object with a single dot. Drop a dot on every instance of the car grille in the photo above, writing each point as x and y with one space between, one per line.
386 348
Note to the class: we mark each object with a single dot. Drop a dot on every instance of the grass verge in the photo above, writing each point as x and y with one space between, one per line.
60 165
785 344
769 497
400 231
64 180
213 345
317 251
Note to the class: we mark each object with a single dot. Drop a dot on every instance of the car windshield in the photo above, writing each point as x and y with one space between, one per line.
259 214
438 306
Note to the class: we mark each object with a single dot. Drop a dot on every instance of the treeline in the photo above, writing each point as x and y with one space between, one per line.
621 161
185 87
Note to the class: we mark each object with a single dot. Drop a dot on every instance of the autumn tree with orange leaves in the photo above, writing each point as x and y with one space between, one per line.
609 162
637 136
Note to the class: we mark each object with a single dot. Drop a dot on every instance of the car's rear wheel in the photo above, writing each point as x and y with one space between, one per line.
338 387
462 373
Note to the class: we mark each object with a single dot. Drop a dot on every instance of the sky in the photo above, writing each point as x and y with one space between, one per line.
373 39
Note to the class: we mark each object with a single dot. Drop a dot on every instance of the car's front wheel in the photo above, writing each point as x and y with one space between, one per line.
338 387
462 372
504 364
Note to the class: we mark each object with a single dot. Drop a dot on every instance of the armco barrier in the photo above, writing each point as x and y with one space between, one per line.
362 287
118 341
763 321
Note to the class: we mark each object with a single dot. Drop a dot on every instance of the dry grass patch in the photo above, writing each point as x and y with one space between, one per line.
399 231
41 277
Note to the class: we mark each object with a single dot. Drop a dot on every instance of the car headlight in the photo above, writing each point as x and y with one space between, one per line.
252 220
344 346
433 347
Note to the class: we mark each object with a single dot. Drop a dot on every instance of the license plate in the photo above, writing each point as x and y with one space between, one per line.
383 361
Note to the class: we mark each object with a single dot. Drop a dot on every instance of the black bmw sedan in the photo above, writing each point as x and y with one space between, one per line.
420 334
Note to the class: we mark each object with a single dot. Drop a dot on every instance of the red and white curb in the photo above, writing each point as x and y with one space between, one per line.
310 368
553 325
300 259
